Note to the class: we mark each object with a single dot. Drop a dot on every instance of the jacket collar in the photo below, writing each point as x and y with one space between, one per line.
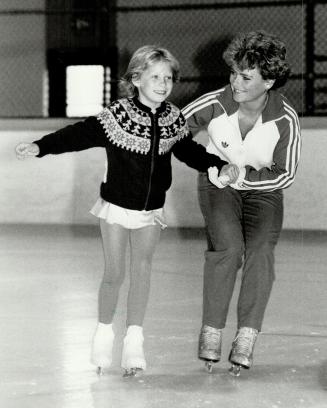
273 110
147 109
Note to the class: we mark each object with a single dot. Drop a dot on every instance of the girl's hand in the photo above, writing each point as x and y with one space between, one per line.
26 150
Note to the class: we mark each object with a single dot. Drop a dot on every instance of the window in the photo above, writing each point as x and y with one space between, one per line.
87 89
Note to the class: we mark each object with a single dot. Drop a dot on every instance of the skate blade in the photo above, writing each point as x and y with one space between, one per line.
209 366
100 371
132 372
235 370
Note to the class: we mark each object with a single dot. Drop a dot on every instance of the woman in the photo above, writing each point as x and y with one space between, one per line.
255 127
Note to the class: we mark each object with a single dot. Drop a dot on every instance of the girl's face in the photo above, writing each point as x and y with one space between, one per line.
155 84
248 85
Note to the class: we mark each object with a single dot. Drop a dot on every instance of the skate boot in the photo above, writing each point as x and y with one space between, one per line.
210 346
133 360
241 355
101 355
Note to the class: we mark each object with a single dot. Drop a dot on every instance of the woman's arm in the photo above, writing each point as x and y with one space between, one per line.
285 159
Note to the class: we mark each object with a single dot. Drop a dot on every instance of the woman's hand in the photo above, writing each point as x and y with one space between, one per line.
26 150
228 175
229 172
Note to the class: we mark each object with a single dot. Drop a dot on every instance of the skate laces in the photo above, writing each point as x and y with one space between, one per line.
211 337
244 341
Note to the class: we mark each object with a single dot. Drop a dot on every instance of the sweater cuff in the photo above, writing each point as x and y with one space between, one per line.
216 161
37 142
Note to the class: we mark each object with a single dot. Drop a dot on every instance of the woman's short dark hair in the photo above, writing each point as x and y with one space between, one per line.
258 49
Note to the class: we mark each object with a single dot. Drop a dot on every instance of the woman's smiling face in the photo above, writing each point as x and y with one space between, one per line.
248 84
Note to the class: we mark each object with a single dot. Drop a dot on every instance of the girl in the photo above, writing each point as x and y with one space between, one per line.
254 126
139 133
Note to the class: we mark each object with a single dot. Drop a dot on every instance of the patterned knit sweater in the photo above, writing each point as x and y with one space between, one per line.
138 144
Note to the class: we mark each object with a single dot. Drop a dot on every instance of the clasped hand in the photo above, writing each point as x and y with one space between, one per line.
228 175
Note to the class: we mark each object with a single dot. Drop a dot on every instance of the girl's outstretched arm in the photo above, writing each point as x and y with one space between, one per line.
73 138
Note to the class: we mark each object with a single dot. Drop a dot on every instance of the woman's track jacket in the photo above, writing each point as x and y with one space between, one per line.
269 154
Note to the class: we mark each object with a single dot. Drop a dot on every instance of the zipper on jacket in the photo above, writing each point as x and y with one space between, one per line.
153 152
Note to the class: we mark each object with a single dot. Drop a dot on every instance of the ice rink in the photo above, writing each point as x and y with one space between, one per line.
49 279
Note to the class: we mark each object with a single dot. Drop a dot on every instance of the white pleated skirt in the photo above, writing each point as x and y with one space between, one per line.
131 219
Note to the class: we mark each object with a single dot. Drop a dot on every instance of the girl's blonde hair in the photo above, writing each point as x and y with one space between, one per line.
142 59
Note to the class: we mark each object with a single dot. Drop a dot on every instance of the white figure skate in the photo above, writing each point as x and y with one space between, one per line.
133 359
101 355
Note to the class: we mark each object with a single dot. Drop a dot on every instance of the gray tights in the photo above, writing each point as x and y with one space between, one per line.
142 242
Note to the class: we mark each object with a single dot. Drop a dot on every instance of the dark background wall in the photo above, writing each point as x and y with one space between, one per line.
38 37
